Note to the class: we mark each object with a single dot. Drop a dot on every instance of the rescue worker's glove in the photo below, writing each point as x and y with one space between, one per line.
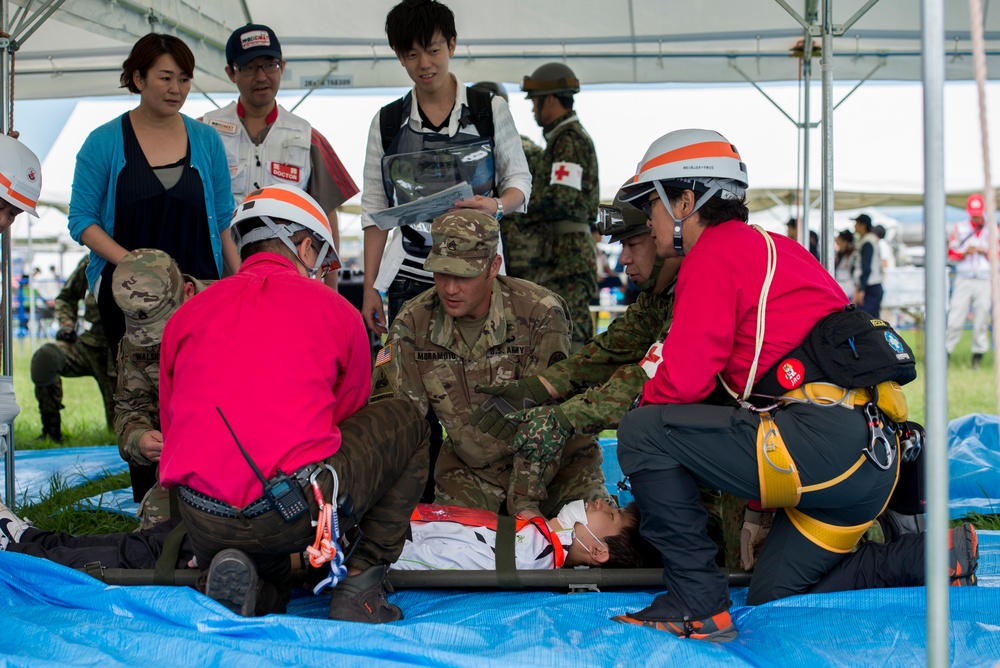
495 415
543 433
67 334
756 526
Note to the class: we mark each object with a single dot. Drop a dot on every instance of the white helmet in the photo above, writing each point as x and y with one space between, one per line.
20 175
700 160
290 204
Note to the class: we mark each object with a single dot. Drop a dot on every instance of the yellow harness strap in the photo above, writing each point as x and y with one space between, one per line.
780 486
830 537
828 394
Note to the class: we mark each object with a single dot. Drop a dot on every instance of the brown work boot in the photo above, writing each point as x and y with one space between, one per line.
362 598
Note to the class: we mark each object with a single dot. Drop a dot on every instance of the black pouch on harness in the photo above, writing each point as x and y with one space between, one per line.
853 349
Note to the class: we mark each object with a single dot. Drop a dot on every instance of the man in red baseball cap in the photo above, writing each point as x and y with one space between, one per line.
967 248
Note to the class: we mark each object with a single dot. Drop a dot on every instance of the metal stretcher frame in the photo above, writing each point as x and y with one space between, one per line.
573 579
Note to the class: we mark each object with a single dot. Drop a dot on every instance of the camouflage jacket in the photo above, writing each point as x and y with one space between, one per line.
137 394
137 397
599 381
67 306
556 200
427 361
527 248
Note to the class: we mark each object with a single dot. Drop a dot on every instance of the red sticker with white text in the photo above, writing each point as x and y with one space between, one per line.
791 372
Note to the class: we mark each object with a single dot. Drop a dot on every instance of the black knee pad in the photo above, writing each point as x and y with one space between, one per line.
47 364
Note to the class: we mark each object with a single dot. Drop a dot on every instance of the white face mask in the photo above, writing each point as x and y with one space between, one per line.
571 513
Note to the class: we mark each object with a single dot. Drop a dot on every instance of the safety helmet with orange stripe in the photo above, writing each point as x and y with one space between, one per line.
285 210
699 160
20 175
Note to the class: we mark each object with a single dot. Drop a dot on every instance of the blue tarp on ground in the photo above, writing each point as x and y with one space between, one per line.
974 465
51 615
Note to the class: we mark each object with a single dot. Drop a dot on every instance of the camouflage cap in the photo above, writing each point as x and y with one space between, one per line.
147 286
464 241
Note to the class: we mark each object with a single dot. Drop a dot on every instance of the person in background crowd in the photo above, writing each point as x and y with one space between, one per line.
843 262
968 248
868 268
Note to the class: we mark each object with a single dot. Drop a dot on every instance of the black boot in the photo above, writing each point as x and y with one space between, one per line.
977 359
51 427
674 521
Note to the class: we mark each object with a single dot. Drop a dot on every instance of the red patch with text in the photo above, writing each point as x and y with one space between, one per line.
791 373
287 172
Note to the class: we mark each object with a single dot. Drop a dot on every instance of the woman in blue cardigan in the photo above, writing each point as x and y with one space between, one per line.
152 178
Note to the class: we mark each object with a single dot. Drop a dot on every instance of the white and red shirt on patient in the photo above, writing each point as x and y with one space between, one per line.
454 538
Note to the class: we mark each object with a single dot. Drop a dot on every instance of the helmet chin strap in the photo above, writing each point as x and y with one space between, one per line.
678 240
650 282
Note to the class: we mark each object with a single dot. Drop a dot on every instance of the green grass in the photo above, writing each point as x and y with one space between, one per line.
56 512
969 390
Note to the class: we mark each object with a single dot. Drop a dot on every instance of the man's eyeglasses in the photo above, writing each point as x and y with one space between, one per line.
251 70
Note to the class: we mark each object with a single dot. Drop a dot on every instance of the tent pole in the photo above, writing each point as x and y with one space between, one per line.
936 394
826 199
802 229
6 112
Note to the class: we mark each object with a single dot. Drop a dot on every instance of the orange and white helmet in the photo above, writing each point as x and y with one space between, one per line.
20 175
700 160
297 210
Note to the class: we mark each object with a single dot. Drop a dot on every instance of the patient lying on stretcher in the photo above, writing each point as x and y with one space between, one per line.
442 537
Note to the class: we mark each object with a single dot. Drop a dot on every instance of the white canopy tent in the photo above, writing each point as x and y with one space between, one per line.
69 48
79 48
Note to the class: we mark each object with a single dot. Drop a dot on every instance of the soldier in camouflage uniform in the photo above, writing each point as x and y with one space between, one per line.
592 389
564 197
148 287
477 328
73 356
527 249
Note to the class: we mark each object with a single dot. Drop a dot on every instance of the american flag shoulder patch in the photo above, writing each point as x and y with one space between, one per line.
384 355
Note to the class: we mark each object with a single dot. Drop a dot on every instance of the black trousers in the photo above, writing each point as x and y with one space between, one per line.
716 446
139 549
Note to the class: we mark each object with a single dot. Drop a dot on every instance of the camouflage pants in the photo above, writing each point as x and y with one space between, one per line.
577 475
73 360
155 507
381 464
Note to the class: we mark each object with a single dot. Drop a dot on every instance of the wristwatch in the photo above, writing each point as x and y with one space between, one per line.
499 214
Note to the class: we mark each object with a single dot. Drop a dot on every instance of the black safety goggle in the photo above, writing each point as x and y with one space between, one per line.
609 219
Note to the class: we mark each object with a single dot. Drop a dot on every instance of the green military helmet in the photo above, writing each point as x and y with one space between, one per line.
492 87
551 79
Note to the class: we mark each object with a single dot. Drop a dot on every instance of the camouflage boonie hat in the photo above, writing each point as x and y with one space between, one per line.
147 286
464 241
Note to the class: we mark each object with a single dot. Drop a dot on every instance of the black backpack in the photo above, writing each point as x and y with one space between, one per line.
390 117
